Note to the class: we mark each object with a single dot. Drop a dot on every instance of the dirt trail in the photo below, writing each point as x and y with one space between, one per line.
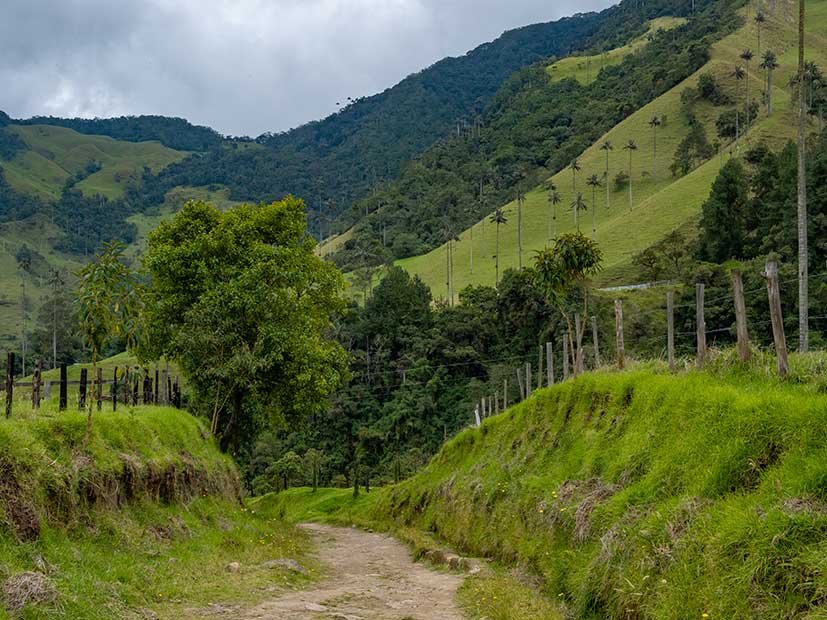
371 576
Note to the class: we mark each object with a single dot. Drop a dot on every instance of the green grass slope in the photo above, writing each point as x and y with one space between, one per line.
55 154
639 494
584 68
661 203
139 522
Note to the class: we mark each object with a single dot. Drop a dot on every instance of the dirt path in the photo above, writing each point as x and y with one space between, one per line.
371 576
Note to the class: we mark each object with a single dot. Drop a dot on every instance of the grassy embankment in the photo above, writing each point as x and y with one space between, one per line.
661 202
631 495
142 520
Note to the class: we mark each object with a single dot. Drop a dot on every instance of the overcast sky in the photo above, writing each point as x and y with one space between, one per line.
240 66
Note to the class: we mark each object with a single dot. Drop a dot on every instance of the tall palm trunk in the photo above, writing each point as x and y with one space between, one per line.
630 180
748 102
520 232
769 92
608 198
472 250
555 220
594 211
497 261
803 257
448 271
654 151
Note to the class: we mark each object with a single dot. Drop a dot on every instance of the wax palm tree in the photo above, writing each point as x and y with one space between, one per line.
578 205
654 124
498 218
554 199
630 146
747 57
739 74
813 80
606 147
574 166
594 182
520 201
803 252
450 236
760 19
769 63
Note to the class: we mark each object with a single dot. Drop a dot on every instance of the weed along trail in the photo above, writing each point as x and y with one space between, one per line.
370 576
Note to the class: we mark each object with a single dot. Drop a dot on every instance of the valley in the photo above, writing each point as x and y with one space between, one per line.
538 332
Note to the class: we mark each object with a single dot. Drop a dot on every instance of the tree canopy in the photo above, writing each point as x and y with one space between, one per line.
240 300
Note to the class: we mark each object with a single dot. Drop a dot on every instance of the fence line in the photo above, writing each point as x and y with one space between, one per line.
130 387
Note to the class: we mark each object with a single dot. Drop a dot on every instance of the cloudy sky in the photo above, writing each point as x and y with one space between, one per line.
240 66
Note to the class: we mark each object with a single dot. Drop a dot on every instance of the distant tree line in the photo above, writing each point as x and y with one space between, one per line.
175 133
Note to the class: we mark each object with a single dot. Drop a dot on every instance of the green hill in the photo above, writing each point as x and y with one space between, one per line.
632 495
661 203
56 154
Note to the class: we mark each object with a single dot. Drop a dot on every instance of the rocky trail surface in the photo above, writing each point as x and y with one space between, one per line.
369 576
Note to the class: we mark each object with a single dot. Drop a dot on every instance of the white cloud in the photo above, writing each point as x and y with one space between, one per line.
241 66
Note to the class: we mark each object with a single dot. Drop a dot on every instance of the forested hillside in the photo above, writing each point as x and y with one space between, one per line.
535 126
671 148
334 162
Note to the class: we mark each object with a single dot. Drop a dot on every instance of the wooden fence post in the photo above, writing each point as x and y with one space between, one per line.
47 390
670 329
82 389
774 293
520 383
527 379
38 368
135 383
157 388
621 347
505 394
115 390
9 382
579 329
740 315
550 363
64 389
496 404
565 357
596 344
701 323
99 388
540 368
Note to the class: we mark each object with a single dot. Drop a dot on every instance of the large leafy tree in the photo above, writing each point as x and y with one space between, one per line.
240 300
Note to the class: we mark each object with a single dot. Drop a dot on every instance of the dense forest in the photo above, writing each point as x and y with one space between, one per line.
533 128
419 368
87 221
176 133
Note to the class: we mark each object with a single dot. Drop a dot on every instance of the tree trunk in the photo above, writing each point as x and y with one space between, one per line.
497 262
803 255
